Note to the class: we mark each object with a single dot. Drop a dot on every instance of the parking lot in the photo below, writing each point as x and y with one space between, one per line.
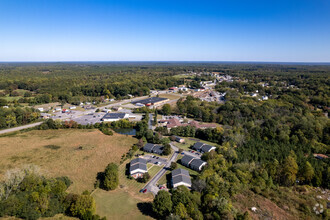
155 159
91 118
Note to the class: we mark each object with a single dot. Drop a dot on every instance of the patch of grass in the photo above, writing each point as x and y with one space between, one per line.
170 96
52 147
189 141
118 204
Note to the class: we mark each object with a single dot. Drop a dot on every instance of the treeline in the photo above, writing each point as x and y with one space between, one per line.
16 116
71 83
26 194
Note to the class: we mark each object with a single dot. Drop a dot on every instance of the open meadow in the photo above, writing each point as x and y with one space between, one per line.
78 154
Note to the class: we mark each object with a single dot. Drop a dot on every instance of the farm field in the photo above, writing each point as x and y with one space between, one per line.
78 154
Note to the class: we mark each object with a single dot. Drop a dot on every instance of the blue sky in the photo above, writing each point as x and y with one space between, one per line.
165 30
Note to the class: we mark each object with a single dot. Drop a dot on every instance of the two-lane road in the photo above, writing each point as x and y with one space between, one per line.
20 128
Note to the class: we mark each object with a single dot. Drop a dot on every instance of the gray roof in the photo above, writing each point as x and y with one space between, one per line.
181 178
114 116
138 160
149 100
207 148
136 166
185 160
195 164
198 145
148 147
157 149
180 172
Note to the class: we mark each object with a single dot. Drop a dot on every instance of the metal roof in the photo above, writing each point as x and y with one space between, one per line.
114 115
149 100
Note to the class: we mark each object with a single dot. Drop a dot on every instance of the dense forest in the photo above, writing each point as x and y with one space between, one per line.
266 147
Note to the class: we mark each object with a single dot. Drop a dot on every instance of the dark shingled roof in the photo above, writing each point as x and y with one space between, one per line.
181 178
198 145
136 166
185 160
180 172
138 160
114 116
158 149
148 147
195 164
207 148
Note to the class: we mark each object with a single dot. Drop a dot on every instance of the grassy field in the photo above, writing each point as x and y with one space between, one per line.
78 154
190 141
170 96
119 204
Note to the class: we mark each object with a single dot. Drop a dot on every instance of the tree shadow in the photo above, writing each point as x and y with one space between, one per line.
146 209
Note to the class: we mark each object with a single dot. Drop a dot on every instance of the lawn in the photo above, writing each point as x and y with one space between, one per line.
119 204
78 154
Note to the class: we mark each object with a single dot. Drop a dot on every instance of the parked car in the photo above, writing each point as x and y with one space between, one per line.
145 190
161 187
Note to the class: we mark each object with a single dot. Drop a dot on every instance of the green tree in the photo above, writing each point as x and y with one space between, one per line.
307 172
180 210
82 206
167 149
290 170
166 109
162 204
111 179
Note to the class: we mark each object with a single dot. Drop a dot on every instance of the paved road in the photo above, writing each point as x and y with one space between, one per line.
151 185
20 128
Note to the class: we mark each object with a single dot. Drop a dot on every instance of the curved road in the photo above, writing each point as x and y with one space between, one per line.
20 127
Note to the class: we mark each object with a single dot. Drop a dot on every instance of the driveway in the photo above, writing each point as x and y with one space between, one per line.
151 185
20 127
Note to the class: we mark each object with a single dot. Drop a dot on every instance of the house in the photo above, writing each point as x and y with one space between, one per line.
181 177
186 160
6 106
202 147
179 139
117 108
114 116
138 167
197 164
193 163
41 109
72 107
198 146
153 148
58 109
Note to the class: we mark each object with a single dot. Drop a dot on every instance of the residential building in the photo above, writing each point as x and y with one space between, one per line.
153 148
138 167
202 147
179 139
186 160
197 164
181 177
